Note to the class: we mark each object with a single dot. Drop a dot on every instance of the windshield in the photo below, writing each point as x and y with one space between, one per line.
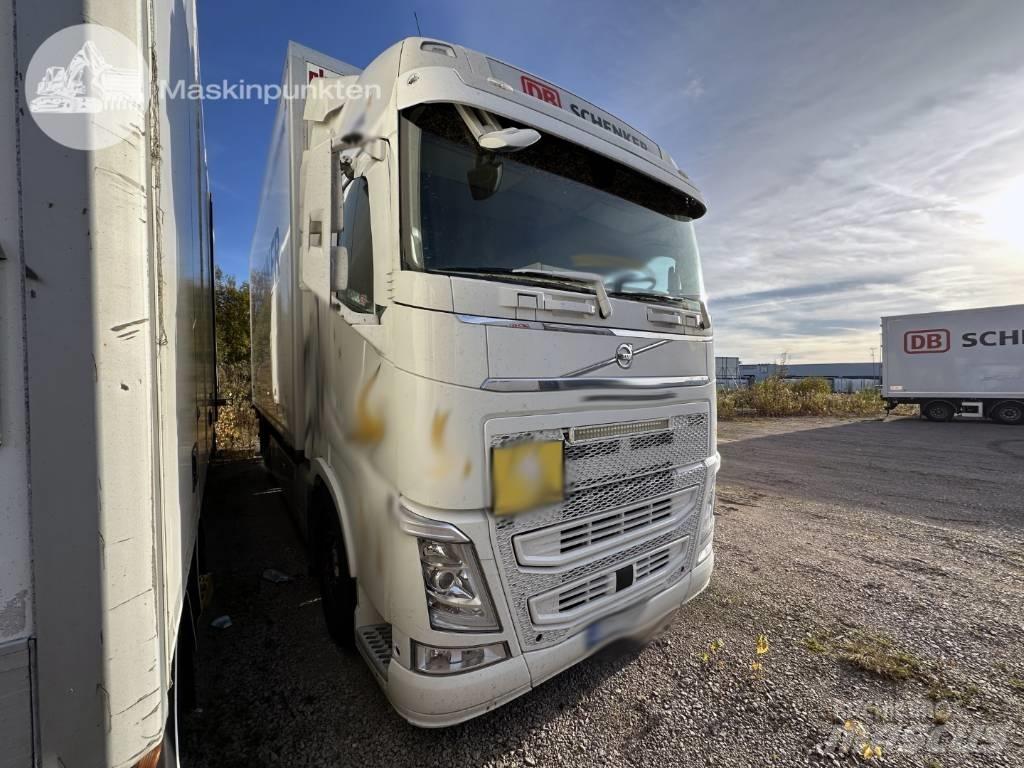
552 206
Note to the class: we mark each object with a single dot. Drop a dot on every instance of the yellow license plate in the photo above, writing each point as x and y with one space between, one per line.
527 475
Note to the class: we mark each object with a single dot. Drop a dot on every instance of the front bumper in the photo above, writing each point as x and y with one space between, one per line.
438 701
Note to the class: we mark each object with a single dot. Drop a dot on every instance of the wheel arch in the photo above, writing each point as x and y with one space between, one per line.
323 476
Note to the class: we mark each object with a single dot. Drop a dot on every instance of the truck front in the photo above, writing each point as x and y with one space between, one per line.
530 393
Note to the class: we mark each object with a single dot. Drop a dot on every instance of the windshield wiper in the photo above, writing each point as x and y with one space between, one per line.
604 305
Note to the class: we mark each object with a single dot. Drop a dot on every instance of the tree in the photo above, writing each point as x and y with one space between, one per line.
236 420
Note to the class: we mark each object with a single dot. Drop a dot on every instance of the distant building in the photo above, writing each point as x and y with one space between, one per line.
727 372
844 377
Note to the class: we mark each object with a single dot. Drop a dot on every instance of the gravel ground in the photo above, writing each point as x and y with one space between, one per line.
894 545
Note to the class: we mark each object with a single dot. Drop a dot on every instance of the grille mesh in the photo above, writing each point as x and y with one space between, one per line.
604 475
375 640
606 461
522 583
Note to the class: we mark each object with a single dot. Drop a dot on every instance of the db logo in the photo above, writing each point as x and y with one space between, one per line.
926 342
541 91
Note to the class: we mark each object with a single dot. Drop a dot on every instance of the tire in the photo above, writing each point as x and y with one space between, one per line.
1010 412
938 410
337 588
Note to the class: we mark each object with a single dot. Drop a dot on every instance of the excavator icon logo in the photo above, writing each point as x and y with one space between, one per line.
87 84
86 87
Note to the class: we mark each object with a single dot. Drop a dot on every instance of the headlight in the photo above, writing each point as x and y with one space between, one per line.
449 661
457 595
527 475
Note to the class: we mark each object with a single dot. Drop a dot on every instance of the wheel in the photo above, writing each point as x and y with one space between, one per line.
337 588
938 410
1010 412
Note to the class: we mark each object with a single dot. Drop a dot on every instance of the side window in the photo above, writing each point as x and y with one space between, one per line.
358 238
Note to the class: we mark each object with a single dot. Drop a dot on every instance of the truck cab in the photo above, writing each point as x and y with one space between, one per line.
483 357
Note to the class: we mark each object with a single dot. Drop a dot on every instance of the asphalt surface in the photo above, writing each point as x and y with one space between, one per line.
903 531
969 472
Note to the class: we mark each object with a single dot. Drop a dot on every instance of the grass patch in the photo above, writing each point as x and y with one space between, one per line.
872 653
816 643
876 654
940 690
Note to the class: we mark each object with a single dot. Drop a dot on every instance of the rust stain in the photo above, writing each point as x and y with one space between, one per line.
467 468
369 428
437 428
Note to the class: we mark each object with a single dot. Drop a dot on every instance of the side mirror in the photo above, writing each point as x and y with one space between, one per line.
509 139
484 178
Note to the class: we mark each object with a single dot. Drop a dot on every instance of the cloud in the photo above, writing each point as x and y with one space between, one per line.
856 162
694 89
887 225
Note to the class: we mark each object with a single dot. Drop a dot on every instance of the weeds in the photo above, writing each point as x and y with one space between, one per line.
940 691
870 652
807 397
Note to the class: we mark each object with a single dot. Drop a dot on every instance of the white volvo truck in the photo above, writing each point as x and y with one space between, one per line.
482 351
967 362
106 384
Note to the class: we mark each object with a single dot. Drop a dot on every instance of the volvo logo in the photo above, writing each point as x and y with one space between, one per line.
624 355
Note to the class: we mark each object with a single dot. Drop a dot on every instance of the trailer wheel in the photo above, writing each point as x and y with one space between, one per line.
938 410
337 588
1010 412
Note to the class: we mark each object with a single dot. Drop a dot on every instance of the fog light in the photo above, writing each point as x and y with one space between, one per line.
432 660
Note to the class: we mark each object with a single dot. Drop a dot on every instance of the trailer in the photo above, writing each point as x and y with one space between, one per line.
107 379
967 363
483 364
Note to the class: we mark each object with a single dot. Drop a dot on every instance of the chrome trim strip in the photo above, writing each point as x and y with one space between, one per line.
603 363
539 325
425 528
594 382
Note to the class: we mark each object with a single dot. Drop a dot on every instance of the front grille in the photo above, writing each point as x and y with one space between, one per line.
628 497
648 566
561 545
565 605
591 590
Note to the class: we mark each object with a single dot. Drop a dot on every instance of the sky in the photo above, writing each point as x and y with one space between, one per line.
859 159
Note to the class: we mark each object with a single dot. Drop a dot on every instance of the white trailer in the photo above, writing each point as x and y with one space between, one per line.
482 356
968 362
107 396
